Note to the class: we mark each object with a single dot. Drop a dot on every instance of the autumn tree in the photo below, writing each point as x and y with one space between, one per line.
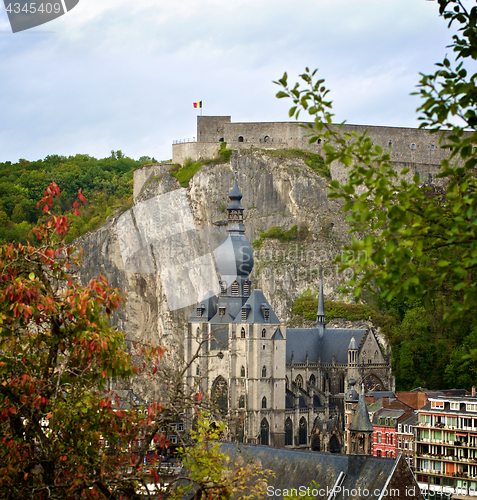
64 434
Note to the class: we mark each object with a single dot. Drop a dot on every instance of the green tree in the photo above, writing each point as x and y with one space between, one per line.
417 243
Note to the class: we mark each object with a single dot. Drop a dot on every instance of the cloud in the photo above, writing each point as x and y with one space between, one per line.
123 75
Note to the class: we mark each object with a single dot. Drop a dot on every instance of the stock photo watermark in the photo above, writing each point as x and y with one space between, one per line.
24 15
317 492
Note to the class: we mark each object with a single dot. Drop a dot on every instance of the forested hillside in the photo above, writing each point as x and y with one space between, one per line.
107 184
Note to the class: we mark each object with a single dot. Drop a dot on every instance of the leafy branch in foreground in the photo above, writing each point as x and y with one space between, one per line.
412 240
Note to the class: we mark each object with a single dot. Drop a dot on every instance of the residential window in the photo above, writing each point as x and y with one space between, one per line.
180 427
378 438
173 439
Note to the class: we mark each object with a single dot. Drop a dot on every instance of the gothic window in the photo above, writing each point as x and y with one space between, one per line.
266 314
264 333
223 287
264 429
242 371
299 382
288 432
303 435
264 402
264 371
341 384
242 333
235 288
286 382
312 380
242 402
220 393
325 381
221 311
246 288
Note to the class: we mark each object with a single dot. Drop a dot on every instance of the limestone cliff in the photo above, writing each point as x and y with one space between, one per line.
277 191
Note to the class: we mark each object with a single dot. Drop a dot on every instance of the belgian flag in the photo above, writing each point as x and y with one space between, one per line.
198 104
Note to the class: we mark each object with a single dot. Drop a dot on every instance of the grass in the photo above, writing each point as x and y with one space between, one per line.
185 173
307 304
282 235
313 160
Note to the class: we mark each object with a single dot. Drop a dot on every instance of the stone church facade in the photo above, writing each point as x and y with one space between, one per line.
279 386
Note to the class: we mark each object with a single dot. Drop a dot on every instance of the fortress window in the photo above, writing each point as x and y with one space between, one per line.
242 402
246 288
266 139
264 333
264 402
235 288
264 371
413 146
221 311
223 287
240 139
242 333
221 139
242 371
432 147
319 141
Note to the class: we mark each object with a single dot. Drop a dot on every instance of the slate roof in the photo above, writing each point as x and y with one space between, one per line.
361 420
294 469
334 341
256 301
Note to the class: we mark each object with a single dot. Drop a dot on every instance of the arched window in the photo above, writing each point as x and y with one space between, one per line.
266 139
302 435
240 139
264 428
325 381
242 371
235 288
264 371
242 333
264 333
264 402
312 380
341 384
286 383
242 402
220 394
413 146
288 432
299 382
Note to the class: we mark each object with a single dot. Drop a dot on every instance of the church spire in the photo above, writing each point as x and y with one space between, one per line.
320 315
235 209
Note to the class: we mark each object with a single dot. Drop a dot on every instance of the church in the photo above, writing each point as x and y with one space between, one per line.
279 386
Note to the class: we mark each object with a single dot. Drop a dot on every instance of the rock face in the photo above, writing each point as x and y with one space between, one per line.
277 191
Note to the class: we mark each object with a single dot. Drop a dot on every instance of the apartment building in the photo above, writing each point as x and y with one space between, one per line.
446 445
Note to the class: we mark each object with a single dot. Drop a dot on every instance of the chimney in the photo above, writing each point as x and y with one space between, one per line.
473 391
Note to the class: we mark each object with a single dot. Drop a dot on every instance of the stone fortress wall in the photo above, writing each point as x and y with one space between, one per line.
413 148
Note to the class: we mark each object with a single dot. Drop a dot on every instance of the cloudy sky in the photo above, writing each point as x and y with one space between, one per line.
123 74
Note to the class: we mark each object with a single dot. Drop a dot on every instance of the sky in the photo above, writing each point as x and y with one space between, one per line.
124 74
